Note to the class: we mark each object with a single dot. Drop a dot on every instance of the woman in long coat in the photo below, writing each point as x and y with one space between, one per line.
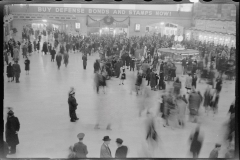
27 65
66 57
10 72
148 72
12 129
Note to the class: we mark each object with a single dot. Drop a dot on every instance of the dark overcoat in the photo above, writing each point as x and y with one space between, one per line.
27 65
12 126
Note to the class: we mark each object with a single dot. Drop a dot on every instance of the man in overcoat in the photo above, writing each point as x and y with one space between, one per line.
105 151
12 129
79 148
16 71
72 106
122 150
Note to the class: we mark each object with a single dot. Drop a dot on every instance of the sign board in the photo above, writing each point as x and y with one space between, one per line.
96 11
77 25
137 27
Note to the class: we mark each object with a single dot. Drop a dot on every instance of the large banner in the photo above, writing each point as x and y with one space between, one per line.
90 11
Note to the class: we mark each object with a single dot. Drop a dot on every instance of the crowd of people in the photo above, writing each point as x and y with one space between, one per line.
116 55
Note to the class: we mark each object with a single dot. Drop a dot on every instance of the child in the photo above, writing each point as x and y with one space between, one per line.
123 76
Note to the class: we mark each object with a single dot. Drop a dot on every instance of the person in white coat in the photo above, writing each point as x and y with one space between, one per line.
188 83
182 106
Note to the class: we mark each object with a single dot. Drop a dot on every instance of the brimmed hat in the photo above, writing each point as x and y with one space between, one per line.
80 135
119 140
106 138
10 113
72 91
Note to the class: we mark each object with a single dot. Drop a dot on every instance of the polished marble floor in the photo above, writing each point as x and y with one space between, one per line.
40 103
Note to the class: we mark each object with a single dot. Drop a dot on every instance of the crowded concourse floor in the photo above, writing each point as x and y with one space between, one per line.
40 103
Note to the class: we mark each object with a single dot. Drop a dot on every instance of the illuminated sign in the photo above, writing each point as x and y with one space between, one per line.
77 25
137 27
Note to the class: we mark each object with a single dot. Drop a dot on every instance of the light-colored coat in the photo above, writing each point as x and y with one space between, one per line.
188 83
181 109
104 153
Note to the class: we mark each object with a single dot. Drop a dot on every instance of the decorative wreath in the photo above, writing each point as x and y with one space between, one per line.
108 20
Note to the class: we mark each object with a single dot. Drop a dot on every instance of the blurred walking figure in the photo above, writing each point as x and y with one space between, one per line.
99 80
12 129
194 104
214 103
72 105
182 106
66 57
123 75
194 80
177 86
219 85
84 58
122 150
169 104
53 53
96 66
59 60
214 152
188 83
105 151
139 82
196 141
27 65
79 148
207 99
152 135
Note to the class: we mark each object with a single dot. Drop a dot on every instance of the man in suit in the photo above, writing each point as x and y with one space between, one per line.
79 148
121 152
105 151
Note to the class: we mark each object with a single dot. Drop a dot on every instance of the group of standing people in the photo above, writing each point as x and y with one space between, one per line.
79 150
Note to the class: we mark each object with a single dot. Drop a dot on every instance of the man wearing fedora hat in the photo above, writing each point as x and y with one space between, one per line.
12 129
121 152
72 105
105 150
79 148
